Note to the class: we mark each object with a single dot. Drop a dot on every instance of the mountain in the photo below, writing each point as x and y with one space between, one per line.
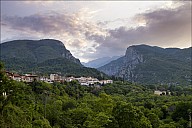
36 51
100 62
151 65
43 57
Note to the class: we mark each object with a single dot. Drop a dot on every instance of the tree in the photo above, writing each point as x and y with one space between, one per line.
153 118
149 105
13 116
5 87
164 109
79 116
181 113
170 125
104 103
129 116
98 120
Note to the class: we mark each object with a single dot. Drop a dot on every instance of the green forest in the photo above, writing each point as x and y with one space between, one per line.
70 105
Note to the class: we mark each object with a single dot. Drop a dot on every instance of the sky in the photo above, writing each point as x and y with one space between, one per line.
95 29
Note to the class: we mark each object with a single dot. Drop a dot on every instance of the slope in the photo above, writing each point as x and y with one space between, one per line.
42 57
151 65
100 61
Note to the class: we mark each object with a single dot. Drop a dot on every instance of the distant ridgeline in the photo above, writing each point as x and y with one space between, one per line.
43 57
152 65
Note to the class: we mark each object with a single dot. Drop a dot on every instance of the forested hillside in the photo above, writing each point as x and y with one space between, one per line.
152 65
36 51
42 57
69 105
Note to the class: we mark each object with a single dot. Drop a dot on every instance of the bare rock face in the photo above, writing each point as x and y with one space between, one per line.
132 56
131 59
69 56
123 67
152 65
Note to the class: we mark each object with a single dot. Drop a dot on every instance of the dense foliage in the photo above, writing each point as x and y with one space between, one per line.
42 57
156 65
59 65
35 50
69 105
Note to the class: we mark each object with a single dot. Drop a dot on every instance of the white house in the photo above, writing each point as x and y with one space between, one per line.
55 77
45 79
16 77
106 82
29 78
157 92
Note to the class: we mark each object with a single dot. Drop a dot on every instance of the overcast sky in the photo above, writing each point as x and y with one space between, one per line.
95 29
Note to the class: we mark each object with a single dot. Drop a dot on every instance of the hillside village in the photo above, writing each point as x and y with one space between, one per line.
86 81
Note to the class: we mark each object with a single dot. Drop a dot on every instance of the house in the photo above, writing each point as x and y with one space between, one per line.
157 92
55 77
69 79
13 76
106 82
45 79
87 80
9 74
16 77
29 78
84 83
25 78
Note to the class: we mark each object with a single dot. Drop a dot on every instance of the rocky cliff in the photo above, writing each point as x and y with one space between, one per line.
152 65
123 67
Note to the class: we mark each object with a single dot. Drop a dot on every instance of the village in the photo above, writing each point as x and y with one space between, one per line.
86 81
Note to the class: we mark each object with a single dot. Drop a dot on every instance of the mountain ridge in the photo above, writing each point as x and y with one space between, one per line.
100 61
151 65
35 50
42 57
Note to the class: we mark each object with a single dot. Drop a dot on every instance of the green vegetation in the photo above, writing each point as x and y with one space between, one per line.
158 65
171 65
43 57
60 65
34 50
69 105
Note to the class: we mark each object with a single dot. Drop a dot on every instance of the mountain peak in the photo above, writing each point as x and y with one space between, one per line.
44 56
47 41
36 50
151 65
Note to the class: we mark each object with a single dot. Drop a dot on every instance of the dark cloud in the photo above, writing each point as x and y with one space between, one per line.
163 27
53 23
43 23
69 28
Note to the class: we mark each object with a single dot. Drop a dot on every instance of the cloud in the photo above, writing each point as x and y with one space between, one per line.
167 27
50 23
87 39
39 3
67 27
